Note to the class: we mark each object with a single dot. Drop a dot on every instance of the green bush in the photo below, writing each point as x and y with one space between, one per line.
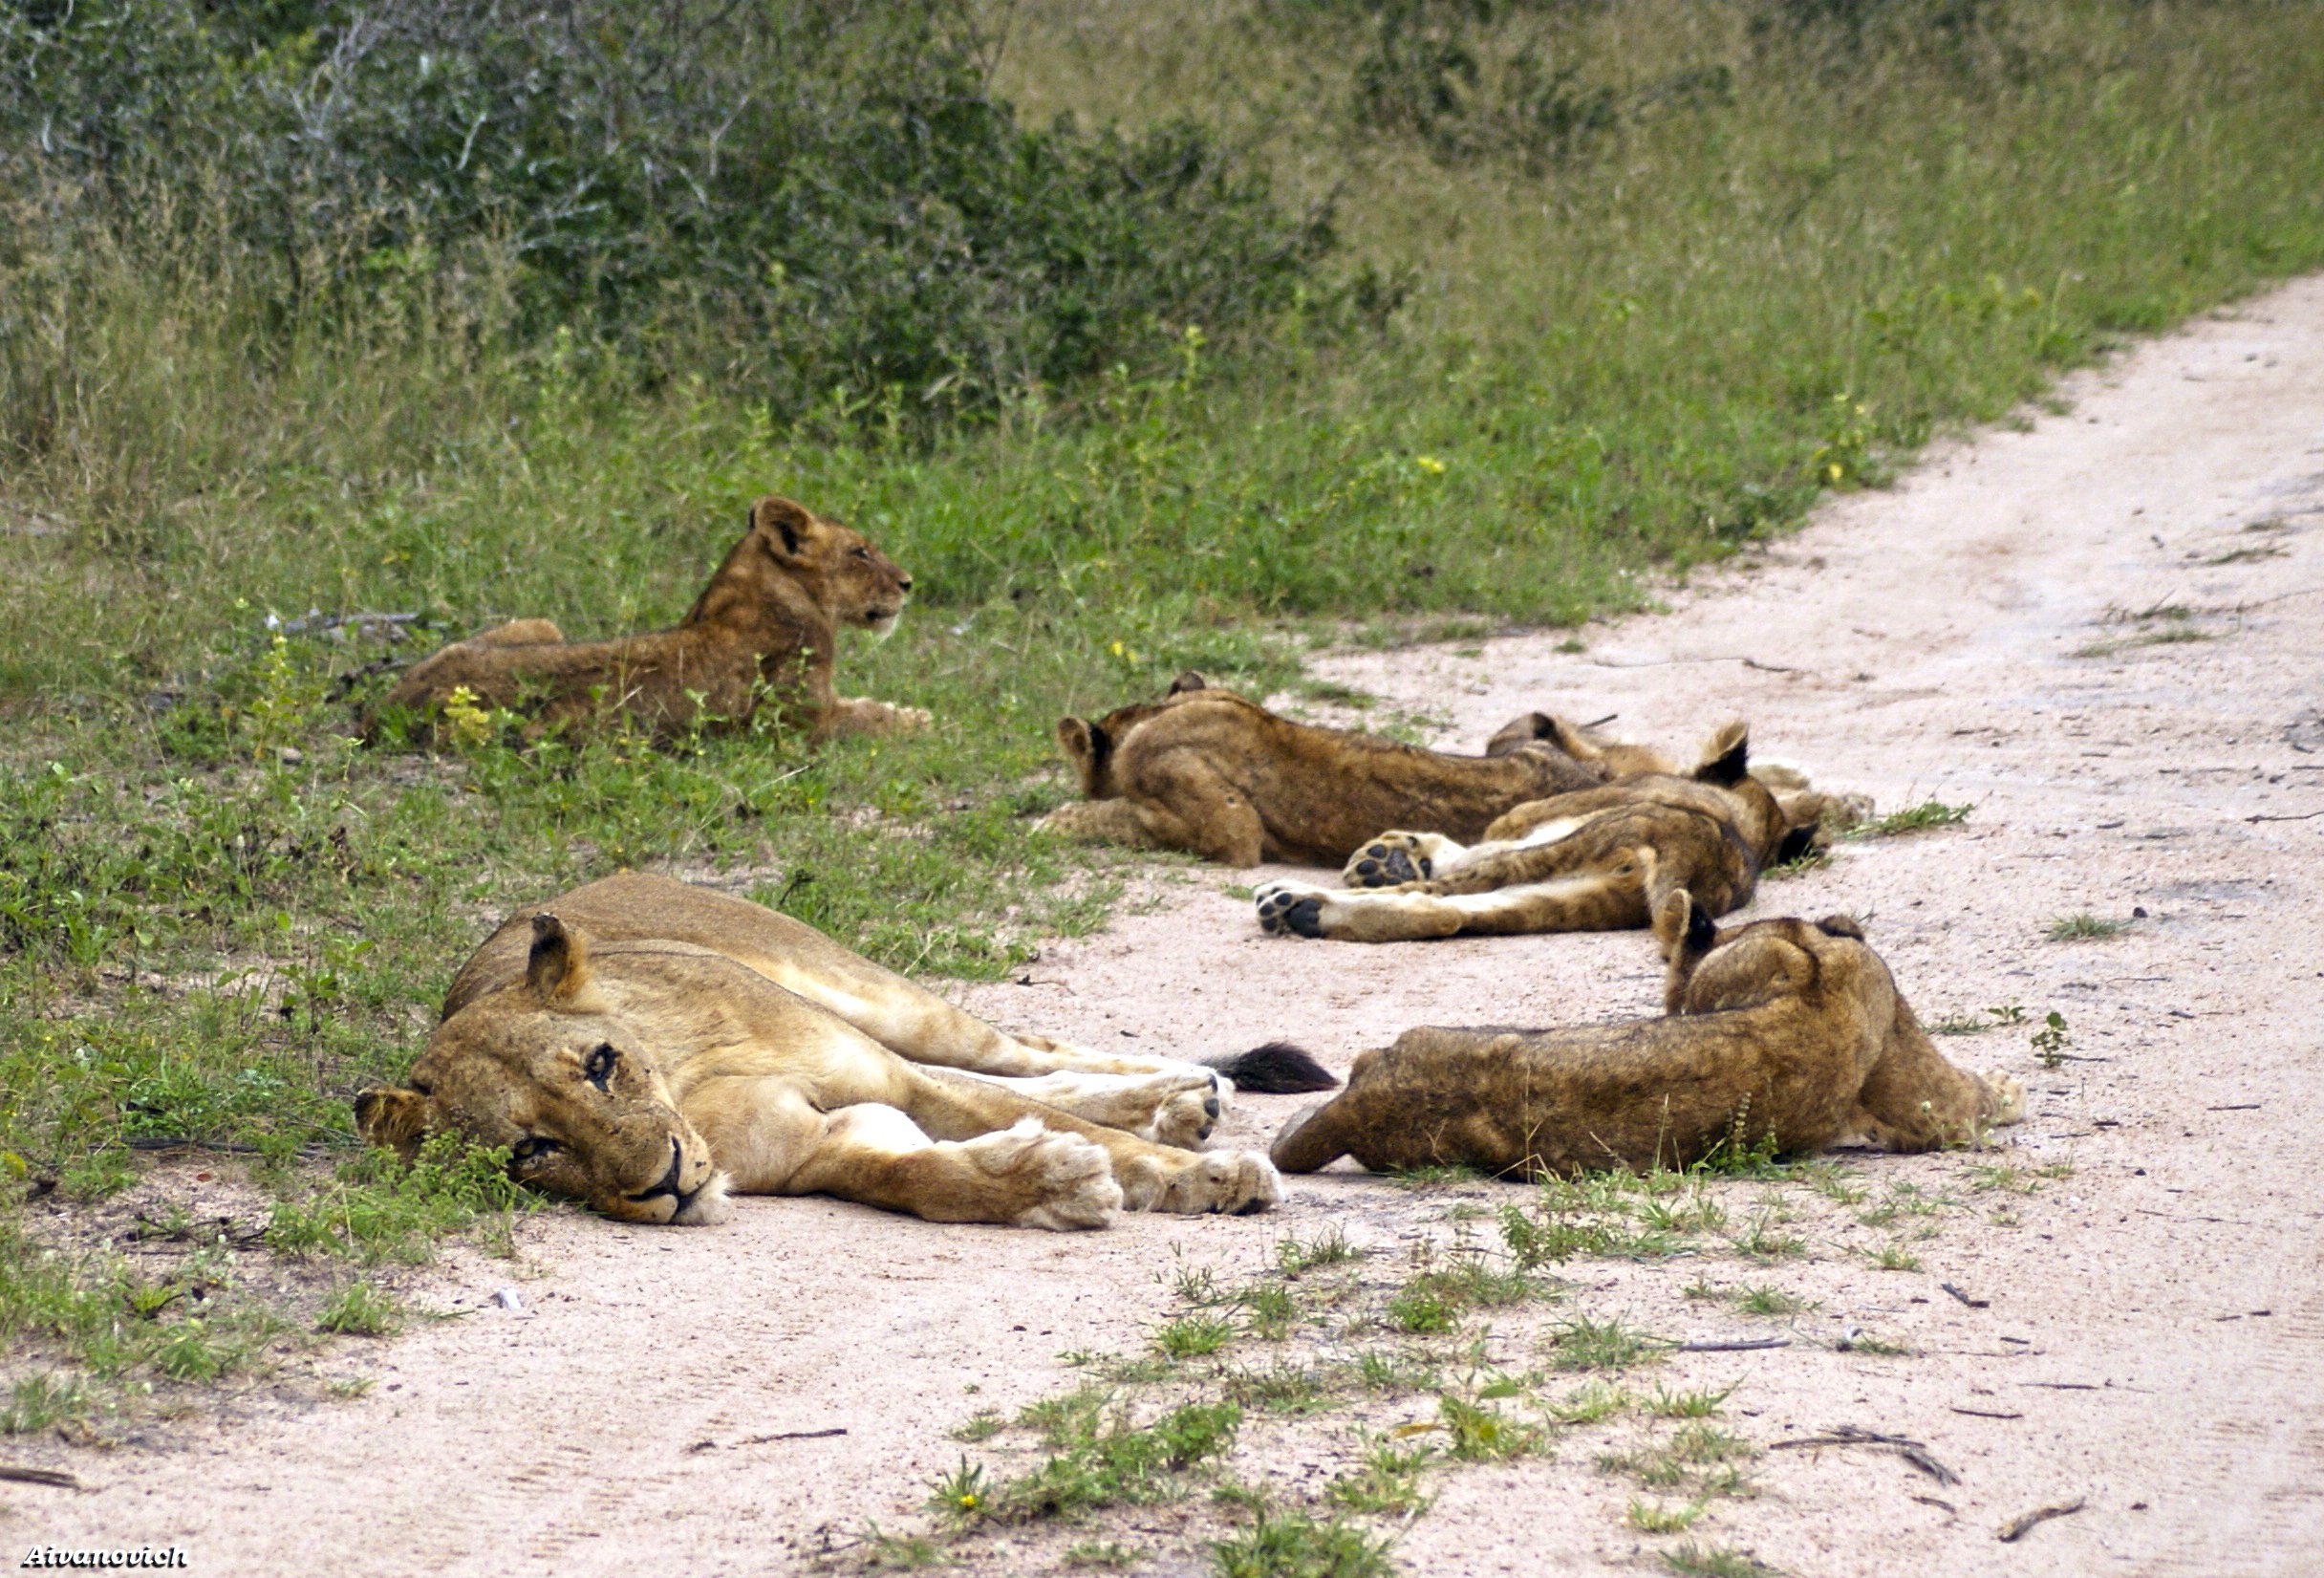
823 196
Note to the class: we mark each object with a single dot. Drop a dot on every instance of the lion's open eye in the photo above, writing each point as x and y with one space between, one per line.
599 1064
530 1149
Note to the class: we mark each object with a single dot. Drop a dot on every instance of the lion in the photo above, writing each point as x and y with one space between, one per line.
765 627
1215 773
1784 1033
647 1047
1595 859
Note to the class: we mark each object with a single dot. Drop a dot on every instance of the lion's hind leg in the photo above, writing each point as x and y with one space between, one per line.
1027 1174
1916 1099
1176 1107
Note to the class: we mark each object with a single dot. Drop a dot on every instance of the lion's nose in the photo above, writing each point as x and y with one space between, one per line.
669 1184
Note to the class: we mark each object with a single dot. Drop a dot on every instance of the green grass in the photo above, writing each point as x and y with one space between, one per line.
1584 1344
1384 1483
1920 818
360 1309
1693 1561
1295 1545
2086 928
1194 1337
1764 1300
1102 1459
1657 1518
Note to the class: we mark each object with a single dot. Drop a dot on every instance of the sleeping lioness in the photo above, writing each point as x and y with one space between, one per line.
646 1045
1783 1032
1597 859
765 627
1211 772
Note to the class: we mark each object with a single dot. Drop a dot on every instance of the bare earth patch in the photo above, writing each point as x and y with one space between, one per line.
2101 634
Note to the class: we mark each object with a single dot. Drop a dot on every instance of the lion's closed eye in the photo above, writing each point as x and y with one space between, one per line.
532 1150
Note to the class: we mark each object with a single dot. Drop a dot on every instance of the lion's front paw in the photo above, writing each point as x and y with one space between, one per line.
2008 1099
1067 1181
1290 909
1387 860
1239 1182
910 720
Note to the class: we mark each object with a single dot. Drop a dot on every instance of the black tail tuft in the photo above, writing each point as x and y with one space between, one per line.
1276 1069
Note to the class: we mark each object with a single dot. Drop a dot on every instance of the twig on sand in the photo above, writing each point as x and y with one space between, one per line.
2016 1527
1983 1413
1973 1304
1915 1453
57 1477
1738 1345
772 1435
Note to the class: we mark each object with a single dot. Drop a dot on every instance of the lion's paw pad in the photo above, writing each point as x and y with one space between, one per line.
1388 861
1288 910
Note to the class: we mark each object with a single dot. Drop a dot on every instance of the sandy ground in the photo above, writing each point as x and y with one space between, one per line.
2149 1341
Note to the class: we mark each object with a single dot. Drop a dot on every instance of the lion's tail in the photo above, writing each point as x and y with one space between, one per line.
1276 1069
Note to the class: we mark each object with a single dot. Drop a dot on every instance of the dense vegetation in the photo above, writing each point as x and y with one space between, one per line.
1180 336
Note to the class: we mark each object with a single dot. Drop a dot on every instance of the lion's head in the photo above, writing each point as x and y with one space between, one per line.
542 1066
1912 1096
836 566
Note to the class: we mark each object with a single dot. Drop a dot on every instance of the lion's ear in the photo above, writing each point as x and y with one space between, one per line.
1525 730
558 966
1191 680
1686 933
1726 759
392 1117
1841 925
786 524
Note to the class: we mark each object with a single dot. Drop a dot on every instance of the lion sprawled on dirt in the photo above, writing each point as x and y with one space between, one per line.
1596 859
1781 1032
1209 771
647 1045
765 627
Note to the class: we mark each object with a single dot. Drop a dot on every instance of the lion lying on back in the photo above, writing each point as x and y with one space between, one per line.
767 626
1780 1032
1596 859
646 1045
1209 772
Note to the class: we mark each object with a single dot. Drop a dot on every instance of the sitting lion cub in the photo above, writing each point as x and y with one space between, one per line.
646 1045
1780 1031
767 625
1597 859
1209 772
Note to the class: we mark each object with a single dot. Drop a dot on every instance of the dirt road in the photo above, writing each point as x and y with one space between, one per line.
2102 632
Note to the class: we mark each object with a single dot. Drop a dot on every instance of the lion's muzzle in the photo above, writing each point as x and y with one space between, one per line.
671 1186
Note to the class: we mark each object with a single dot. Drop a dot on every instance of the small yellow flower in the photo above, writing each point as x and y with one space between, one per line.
1832 471
1429 464
469 725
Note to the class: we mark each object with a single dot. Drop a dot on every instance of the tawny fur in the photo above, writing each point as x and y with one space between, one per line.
1215 773
1781 1032
764 631
647 1045
1596 859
